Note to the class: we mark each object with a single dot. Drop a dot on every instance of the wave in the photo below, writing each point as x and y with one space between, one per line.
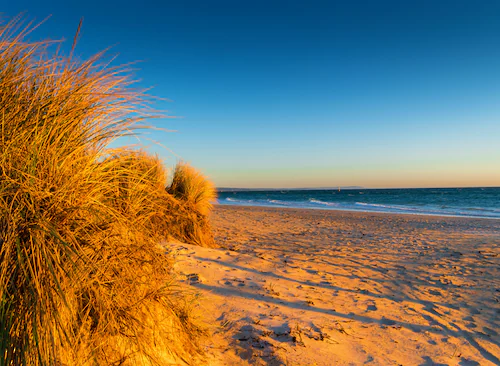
313 203
483 209
279 202
254 202
400 208
234 200
312 200
391 207
433 210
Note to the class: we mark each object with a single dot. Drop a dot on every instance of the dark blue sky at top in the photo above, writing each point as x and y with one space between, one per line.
338 91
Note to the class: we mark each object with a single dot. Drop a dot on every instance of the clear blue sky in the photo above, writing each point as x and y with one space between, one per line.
310 93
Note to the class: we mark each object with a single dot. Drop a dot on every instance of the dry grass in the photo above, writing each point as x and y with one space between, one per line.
195 194
82 278
192 187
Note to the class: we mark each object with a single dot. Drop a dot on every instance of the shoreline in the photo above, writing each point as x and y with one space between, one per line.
216 205
306 286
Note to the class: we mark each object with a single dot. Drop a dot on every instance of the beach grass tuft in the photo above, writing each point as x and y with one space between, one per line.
195 194
193 188
83 279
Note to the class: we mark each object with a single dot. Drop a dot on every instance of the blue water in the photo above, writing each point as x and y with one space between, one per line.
468 202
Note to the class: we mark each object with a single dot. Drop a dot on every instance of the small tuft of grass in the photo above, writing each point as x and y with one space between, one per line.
271 289
296 334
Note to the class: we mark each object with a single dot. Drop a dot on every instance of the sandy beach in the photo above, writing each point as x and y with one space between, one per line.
317 287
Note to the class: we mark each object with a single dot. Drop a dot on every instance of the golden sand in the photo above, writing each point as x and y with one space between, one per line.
313 287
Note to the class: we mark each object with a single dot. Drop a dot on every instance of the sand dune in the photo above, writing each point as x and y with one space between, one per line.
311 287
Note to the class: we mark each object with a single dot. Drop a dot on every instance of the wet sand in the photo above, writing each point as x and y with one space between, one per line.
314 287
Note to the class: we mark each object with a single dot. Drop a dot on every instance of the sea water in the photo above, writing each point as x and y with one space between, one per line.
468 202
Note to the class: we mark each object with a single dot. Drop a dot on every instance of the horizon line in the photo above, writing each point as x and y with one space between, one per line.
342 187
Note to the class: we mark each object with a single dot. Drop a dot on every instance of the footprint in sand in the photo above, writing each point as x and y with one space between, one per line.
194 278
435 292
385 321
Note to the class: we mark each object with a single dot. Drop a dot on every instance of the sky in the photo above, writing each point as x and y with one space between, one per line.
310 93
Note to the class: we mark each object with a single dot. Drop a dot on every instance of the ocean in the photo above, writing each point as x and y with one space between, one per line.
463 202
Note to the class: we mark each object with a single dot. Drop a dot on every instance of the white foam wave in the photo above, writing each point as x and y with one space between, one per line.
279 202
312 200
229 199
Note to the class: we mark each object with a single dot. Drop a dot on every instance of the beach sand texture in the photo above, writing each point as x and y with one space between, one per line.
314 287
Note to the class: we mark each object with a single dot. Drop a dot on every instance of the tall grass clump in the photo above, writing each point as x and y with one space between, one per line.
195 194
82 278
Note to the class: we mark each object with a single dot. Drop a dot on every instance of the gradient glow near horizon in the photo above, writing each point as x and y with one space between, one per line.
309 94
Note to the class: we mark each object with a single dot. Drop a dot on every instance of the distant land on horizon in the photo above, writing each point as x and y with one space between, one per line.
226 189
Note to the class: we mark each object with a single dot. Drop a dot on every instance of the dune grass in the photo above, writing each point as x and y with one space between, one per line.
195 194
83 280
193 188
